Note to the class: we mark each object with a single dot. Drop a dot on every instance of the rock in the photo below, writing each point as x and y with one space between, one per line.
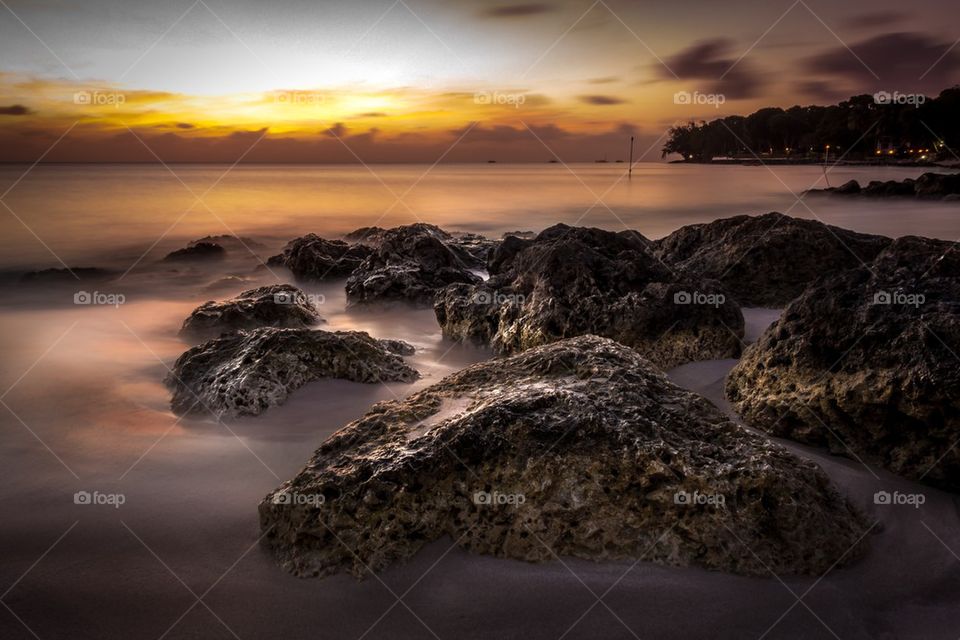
473 249
198 252
312 258
225 283
229 242
580 448
366 235
72 276
890 188
937 185
865 363
573 281
411 264
278 305
246 372
768 260
851 187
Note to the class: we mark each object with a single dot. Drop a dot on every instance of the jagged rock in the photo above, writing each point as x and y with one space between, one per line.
851 187
768 260
937 185
865 362
411 263
197 252
573 281
278 305
229 242
366 235
246 372
313 258
580 448
887 188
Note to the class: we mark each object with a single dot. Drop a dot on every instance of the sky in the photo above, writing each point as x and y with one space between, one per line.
429 80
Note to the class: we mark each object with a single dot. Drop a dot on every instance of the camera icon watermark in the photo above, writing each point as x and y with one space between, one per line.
95 498
496 499
885 498
688 499
99 98
885 97
300 98
497 98
714 100
296 498
696 297
899 298
99 298
495 298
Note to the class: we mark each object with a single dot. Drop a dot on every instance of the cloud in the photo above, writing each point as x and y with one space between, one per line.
713 62
903 62
601 100
876 19
517 10
15 110
606 80
339 130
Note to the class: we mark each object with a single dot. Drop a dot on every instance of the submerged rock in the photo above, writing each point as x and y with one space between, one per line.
246 372
312 258
768 260
571 281
579 448
278 305
937 186
197 252
411 264
865 363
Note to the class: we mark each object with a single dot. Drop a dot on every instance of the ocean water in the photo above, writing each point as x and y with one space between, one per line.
84 409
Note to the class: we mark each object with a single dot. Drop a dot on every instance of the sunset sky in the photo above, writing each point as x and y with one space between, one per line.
420 80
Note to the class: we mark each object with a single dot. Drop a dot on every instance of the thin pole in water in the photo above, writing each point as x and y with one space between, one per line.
630 170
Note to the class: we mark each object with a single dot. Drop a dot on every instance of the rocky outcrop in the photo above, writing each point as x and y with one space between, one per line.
246 372
935 186
865 363
366 235
571 281
313 259
410 264
197 252
579 448
278 305
768 260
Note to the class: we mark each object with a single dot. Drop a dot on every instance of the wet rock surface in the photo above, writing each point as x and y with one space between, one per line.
197 252
572 281
314 259
768 260
935 186
410 264
578 448
280 305
246 372
865 363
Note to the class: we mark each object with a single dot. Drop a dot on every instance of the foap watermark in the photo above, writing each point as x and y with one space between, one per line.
696 297
300 98
115 500
696 98
295 498
99 298
899 298
496 499
497 298
915 500
498 98
885 97
290 297
99 98
694 499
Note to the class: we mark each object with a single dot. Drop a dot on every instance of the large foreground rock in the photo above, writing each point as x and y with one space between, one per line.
312 258
865 362
279 305
411 264
768 260
571 281
580 448
246 372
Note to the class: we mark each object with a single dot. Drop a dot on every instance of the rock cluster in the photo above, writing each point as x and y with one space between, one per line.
578 448
410 264
279 305
571 281
937 186
768 260
865 363
246 372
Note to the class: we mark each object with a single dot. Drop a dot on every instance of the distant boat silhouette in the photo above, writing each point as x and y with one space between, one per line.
554 161
601 161
491 162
